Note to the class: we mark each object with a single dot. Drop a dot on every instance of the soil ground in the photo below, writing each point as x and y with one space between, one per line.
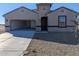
53 44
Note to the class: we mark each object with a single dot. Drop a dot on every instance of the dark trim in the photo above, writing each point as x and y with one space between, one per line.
52 26
56 26
70 26
7 26
65 21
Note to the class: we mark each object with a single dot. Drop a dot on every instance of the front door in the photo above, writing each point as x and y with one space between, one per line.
44 23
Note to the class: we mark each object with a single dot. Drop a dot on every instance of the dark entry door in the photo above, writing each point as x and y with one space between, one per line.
44 23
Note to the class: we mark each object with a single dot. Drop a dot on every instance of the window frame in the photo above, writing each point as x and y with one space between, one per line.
64 22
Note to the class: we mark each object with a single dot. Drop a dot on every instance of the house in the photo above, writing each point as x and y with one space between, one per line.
40 19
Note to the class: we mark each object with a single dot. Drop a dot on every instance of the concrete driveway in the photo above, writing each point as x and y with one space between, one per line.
16 44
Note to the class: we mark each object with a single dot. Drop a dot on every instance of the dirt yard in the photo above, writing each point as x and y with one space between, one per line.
2 28
53 44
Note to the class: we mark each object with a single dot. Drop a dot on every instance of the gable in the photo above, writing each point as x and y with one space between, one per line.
21 13
64 10
19 9
70 15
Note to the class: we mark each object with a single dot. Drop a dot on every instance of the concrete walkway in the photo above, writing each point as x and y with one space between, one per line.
16 45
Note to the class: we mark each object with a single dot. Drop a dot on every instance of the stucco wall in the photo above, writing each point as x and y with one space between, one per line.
53 20
53 17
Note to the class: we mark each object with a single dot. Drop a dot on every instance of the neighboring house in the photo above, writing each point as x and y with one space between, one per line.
41 19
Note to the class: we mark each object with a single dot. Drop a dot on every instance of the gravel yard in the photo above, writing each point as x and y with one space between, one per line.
53 44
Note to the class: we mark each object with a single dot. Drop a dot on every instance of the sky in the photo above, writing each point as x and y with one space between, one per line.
7 7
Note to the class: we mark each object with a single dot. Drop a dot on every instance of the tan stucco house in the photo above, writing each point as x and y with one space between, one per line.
40 19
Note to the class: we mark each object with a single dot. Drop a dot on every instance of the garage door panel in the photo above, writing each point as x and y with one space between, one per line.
16 24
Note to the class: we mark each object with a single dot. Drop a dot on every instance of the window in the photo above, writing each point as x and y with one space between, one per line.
62 21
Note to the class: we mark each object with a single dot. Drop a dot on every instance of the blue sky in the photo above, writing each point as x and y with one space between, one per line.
6 7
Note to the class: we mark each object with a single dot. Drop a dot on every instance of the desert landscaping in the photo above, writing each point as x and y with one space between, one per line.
53 44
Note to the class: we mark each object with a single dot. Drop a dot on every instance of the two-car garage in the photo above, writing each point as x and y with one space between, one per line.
22 25
21 19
